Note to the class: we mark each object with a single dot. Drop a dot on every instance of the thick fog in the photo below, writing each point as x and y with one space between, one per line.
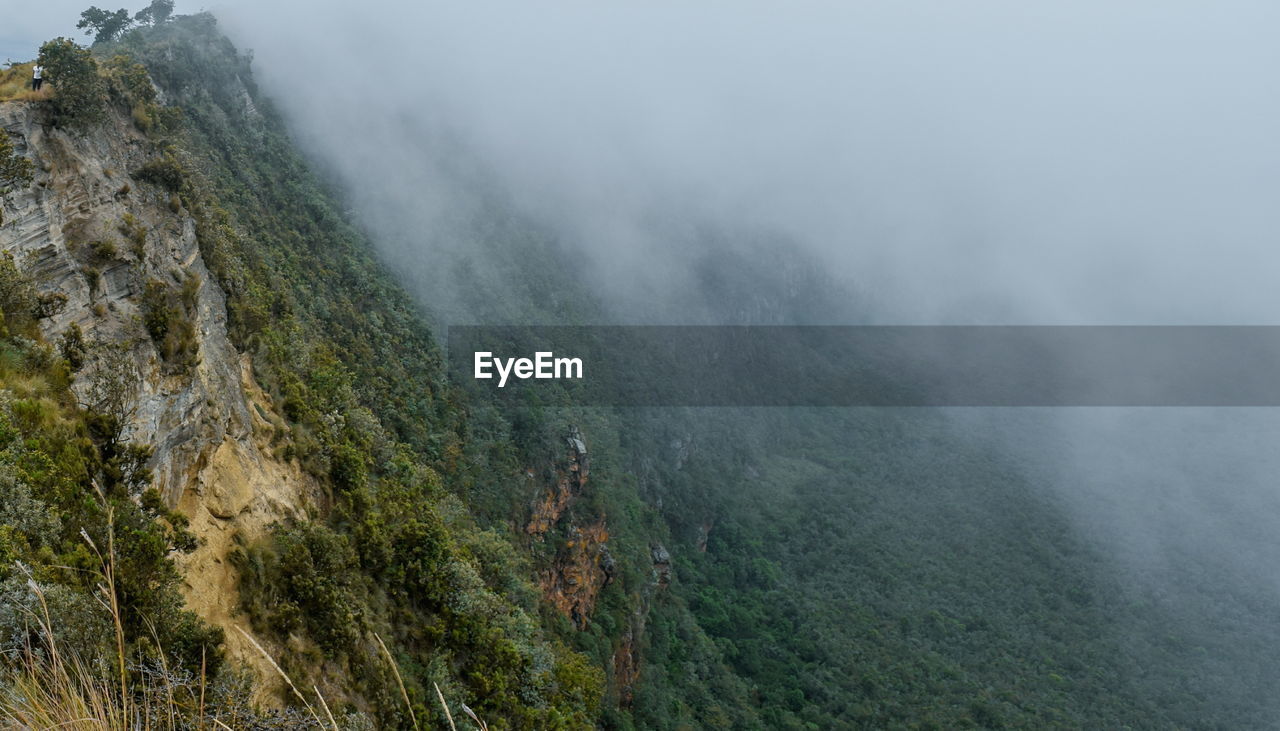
977 162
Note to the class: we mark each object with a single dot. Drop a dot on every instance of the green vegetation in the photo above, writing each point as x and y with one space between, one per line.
167 313
358 381
15 171
136 233
165 172
82 86
155 13
74 512
79 96
104 25
130 89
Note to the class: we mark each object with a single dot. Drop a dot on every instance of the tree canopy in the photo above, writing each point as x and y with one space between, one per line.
155 13
79 92
106 25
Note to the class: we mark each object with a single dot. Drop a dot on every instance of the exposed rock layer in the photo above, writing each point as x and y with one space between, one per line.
213 458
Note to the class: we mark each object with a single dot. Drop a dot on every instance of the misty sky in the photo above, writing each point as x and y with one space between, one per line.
981 162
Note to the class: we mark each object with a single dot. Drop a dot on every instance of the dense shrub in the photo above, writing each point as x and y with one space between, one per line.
19 302
16 172
164 171
79 98
67 513
168 315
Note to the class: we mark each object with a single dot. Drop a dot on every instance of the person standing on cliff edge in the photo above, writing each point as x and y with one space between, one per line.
36 80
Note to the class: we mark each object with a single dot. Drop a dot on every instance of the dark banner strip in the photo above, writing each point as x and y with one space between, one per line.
869 366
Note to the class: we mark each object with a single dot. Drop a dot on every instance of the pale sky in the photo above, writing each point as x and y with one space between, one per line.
993 161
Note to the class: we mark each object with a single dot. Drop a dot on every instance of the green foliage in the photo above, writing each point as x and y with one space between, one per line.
155 13
859 570
19 303
359 381
16 172
136 233
164 171
103 250
22 513
79 96
55 521
130 89
104 25
110 391
167 312
303 579
128 81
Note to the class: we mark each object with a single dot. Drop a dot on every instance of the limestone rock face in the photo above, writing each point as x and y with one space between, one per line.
91 232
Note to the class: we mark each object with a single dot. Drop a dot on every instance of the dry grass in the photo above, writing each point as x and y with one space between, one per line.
288 680
53 687
61 695
15 84
395 668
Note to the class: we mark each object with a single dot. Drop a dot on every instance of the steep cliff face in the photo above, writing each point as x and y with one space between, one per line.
568 481
331 504
91 231
582 568
582 565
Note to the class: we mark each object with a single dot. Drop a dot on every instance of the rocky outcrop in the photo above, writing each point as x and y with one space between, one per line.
89 231
681 451
704 535
570 478
582 567
626 660
661 566
626 665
